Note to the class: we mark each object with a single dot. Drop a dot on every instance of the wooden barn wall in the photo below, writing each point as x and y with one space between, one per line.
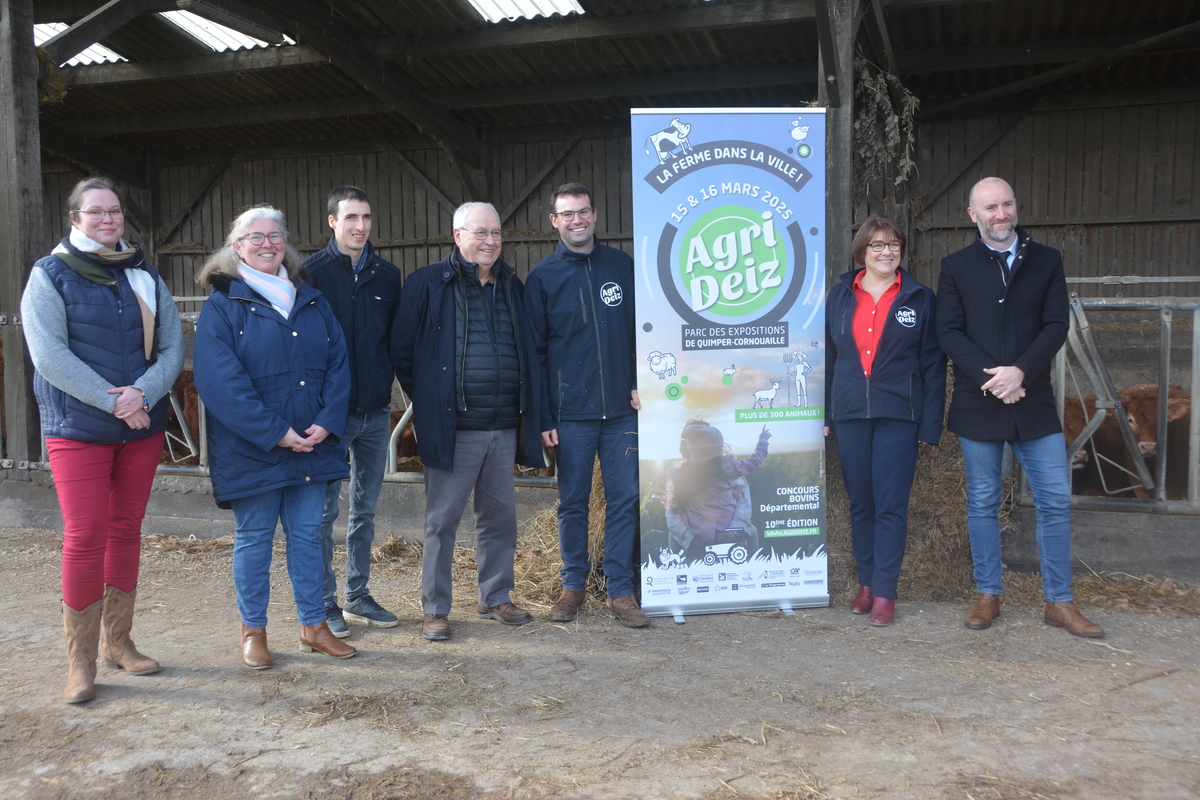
410 227
1116 189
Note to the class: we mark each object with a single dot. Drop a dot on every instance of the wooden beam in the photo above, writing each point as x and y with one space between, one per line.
209 182
563 91
828 72
1062 72
647 23
523 193
955 172
391 147
114 14
703 80
839 144
889 54
21 226
323 31
1046 51
234 62
70 11
93 154
235 115
908 62
574 28
471 179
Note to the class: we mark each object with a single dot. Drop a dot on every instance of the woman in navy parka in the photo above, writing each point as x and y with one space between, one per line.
270 366
885 390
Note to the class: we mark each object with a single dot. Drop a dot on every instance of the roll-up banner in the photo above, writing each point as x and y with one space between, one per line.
729 240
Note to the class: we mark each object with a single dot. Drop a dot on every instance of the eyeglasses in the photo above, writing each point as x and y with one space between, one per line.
274 237
893 246
584 214
481 234
101 213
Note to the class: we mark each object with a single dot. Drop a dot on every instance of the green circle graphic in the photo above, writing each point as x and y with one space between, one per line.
733 261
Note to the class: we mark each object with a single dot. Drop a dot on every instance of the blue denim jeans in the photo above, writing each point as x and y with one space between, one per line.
1045 463
366 437
616 442
298 508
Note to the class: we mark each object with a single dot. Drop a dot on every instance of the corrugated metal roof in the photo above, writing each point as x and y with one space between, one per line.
596 66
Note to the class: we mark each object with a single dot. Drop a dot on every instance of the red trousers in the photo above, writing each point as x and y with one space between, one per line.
103 490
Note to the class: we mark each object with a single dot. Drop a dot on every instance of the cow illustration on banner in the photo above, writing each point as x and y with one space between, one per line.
729 235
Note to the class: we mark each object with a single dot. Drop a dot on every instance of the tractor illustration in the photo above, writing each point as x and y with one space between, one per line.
734 552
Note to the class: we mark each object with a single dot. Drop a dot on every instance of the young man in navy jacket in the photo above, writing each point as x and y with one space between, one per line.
580 307
1002 315
364 291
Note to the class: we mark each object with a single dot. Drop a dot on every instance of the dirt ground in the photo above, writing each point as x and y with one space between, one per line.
750 705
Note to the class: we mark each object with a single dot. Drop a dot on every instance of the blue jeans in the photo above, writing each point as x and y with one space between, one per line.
298 508
616 442
1045 463
879 460
366 437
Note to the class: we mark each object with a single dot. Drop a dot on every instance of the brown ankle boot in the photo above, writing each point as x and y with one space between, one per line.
1066 615
116 648
82 629
255 654
319 637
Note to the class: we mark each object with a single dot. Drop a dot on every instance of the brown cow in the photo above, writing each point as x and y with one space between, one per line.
1140 404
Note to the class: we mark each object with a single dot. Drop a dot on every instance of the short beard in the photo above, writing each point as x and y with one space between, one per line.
990 233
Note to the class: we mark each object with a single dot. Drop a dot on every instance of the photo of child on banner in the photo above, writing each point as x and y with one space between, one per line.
708 498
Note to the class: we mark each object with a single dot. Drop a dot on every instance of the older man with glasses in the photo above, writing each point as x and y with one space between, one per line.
462 352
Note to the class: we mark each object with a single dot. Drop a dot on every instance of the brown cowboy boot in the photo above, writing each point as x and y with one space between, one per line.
82 629
116 648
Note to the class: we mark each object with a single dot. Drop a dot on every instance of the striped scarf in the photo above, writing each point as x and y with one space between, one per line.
276 289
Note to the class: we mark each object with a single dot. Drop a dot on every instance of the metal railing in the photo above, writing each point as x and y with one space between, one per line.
1081 343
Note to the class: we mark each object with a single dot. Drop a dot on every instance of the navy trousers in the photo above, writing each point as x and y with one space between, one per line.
879 460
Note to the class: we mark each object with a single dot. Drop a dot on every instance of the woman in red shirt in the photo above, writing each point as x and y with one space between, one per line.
885 390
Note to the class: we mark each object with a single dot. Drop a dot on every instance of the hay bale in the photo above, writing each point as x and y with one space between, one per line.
937 561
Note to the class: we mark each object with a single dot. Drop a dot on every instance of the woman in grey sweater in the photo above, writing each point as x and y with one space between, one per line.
104 336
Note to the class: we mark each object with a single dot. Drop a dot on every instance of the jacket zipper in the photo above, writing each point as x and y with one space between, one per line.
587 267
462 357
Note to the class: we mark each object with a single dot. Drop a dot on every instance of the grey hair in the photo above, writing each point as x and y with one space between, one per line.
226 260
460 213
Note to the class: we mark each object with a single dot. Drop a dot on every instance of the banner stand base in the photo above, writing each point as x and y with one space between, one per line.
786 609
679 620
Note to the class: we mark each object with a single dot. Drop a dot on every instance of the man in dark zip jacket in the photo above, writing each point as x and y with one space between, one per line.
1002 315
462 353
580 304
364 291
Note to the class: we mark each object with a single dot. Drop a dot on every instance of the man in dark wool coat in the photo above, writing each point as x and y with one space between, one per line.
1002 314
